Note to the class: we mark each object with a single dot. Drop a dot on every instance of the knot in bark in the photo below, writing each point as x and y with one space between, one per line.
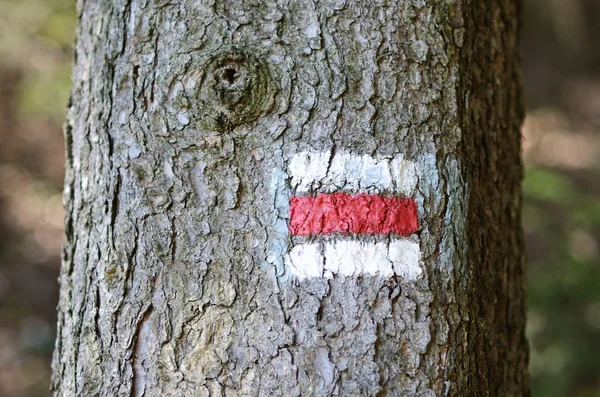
237 89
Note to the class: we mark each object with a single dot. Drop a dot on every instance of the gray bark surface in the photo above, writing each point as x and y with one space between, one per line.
173 281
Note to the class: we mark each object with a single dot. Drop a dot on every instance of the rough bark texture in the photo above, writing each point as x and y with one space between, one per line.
183 117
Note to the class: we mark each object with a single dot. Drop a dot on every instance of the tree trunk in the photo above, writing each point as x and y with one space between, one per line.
207 143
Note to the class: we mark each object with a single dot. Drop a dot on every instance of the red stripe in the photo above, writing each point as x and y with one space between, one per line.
344 213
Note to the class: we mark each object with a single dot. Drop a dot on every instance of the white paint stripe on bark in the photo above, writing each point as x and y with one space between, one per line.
322 172
355 258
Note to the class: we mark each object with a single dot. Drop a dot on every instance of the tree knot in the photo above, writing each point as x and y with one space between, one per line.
237 89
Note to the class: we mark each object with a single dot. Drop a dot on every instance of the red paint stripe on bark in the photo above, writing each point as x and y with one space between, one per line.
344 213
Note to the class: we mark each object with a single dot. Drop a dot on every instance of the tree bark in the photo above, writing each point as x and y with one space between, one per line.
184 121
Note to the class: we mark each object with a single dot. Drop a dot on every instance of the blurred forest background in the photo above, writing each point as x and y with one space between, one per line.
561 137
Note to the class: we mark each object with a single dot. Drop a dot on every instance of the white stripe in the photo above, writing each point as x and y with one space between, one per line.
355 258
306 260
348 172
406 255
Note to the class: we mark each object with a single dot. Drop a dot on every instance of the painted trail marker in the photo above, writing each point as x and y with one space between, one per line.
346 213
341 198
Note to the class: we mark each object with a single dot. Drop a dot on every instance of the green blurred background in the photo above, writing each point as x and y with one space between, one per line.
561 137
